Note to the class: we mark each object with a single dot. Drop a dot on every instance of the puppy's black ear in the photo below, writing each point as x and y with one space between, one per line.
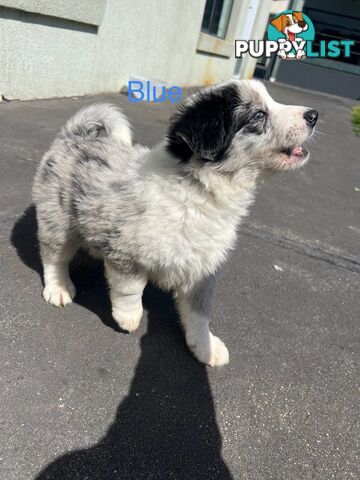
205 124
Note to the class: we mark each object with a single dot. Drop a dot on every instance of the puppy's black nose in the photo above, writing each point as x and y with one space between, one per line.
311 117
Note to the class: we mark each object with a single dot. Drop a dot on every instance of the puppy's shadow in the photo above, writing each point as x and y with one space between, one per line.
86 272
166 427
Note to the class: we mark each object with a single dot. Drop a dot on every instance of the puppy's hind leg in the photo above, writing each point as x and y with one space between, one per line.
195 308
58 287
126 291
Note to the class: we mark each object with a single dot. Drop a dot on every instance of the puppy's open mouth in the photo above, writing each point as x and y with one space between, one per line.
295 154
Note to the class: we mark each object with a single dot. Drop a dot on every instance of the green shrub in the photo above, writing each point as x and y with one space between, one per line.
355 117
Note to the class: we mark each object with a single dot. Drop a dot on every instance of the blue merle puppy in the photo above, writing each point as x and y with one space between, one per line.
167 214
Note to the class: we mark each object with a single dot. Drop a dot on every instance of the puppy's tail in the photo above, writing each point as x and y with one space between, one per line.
100 119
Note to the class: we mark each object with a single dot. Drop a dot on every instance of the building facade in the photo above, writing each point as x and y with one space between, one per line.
66 48
333 20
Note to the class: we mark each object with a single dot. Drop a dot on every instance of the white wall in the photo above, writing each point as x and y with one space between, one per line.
61 58
65 48
155 38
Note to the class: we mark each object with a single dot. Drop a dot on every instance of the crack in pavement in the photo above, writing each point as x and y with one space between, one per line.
329 255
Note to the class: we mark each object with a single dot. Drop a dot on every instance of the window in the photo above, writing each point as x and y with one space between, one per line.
216 17
332 25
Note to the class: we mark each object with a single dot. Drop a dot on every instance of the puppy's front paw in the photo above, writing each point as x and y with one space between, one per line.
59 295
300 54
128 320
213 352
219 352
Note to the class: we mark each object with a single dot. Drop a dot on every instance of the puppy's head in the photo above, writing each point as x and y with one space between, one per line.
293 23
238 126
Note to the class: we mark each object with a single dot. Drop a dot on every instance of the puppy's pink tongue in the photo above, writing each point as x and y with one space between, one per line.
297 151
291 36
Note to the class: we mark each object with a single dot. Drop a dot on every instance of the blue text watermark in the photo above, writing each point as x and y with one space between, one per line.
146 91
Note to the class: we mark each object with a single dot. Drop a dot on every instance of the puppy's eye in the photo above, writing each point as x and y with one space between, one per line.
259 115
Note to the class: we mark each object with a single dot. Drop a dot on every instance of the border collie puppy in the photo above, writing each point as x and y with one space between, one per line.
167 214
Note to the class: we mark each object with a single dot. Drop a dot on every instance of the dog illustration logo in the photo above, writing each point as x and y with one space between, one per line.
291 35
291 27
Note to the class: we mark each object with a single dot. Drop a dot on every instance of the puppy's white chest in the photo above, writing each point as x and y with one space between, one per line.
193 247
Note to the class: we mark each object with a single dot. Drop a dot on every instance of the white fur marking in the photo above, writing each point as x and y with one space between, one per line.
205 346
126 297
59 289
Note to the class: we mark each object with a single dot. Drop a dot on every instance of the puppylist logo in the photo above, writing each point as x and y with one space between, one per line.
291 31
291 35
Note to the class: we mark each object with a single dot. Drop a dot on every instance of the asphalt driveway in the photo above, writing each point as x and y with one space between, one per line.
80 400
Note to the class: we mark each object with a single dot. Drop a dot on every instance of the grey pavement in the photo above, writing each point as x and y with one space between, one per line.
80 400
